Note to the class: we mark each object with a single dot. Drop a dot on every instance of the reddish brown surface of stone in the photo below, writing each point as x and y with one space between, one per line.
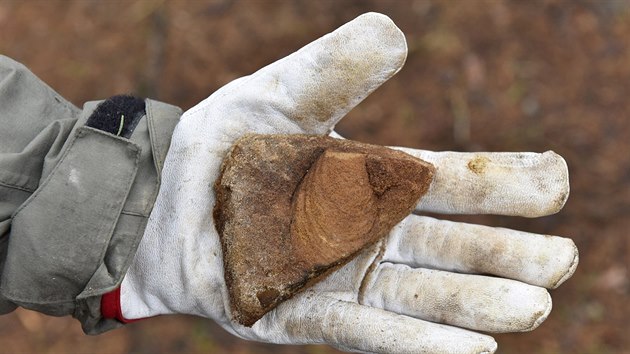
293 208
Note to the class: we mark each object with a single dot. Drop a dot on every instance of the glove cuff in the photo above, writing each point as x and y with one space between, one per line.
111 309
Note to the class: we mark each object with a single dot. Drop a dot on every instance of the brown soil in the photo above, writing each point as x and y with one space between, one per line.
480 75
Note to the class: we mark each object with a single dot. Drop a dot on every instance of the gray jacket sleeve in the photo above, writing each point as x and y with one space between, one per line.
74 201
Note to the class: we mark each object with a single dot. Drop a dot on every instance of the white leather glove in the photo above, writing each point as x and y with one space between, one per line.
409 293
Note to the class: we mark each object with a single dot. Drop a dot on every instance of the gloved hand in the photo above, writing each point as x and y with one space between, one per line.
408 293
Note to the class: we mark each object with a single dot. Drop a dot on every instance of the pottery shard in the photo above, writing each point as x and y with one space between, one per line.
293 208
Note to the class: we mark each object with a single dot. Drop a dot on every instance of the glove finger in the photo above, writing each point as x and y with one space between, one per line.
313 88
520 184
471 301
420 241
352 327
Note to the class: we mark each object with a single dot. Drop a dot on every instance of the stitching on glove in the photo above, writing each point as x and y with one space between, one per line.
542 316
370 270
570 270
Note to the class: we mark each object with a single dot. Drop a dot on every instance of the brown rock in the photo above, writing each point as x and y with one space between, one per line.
293 208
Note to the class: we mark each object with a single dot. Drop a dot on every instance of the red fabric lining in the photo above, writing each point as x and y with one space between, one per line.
110 307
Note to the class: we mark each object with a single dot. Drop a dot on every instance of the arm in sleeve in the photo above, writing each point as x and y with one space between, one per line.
74 200
35 123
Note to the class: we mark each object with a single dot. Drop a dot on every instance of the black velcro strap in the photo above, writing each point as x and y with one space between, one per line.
118 115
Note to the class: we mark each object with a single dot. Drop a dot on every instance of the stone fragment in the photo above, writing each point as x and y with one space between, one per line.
291 209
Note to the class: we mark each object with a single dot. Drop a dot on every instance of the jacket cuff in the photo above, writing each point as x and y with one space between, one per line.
74 238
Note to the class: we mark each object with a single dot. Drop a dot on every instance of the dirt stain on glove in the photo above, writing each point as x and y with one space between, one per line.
291 209
478 164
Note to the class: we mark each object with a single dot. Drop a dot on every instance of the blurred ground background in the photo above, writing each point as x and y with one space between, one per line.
481 75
